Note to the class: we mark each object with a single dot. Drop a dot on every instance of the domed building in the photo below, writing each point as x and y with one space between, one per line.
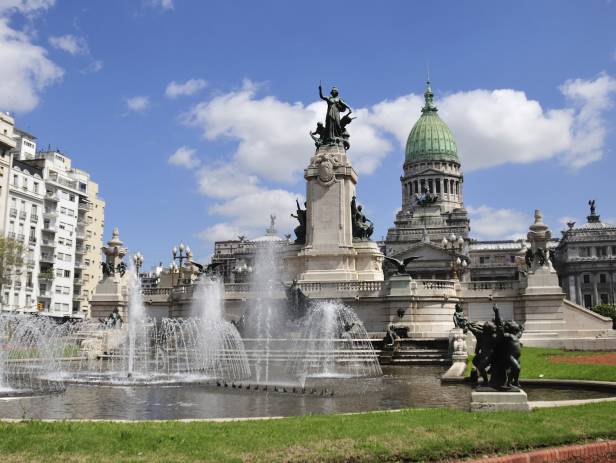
432 222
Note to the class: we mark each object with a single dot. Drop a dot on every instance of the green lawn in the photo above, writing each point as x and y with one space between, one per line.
415 435
410 435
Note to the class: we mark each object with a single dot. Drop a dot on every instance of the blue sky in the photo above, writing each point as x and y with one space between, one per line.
527 88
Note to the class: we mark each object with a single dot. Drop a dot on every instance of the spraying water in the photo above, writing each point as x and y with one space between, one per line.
336 344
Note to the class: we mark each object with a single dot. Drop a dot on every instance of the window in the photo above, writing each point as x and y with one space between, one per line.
36 187
59 273
601 251
484 259
602 278
67 274
586 279
604 299
587 301
584 251
15 180
438 186
71 198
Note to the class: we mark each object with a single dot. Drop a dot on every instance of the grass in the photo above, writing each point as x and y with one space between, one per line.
409 435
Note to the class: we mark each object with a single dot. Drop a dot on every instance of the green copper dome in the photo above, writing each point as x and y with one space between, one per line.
430 138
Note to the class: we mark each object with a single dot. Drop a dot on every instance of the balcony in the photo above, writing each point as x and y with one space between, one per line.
80 233
44 294
30 263
32 239
50 213
47 227
84 206
11 235
45 276
48 243
79 264
47 258
80 249
34 218
21 237
22 215
13 212
51 197
62 181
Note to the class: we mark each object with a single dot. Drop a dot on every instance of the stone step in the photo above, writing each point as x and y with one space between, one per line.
420 361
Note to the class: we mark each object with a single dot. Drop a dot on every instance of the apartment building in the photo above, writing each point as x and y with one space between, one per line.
23 224
7 144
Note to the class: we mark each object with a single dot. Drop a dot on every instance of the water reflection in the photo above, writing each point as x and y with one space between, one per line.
398 388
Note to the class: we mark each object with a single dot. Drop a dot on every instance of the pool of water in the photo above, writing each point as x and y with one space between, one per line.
398 388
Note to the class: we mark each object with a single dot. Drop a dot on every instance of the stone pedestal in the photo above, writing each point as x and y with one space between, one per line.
499 401
400 285
330 254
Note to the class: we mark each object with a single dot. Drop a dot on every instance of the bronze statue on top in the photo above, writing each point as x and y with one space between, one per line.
334 131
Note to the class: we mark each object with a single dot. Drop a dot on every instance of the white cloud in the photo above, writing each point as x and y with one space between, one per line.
26 70
24 6
190 87
226 181
272 135
221 232
184 157
498 224
249 213
494 127
70 44
591 99
138 104
166 5
94 66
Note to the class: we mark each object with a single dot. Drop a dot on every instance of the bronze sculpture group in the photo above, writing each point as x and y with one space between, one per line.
497 352
334 131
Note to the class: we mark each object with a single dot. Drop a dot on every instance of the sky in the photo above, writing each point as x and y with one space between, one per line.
194 116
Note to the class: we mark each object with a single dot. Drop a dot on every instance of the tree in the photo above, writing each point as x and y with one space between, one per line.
11 261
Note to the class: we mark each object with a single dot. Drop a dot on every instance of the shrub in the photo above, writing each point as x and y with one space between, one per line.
607 310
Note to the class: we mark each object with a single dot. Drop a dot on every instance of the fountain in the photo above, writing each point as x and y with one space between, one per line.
31 350
336 345
172 350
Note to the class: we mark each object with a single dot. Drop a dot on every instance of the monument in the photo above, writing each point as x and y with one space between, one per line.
333 235
111 291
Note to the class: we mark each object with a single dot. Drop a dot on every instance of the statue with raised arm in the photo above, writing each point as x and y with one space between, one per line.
300 230
335 106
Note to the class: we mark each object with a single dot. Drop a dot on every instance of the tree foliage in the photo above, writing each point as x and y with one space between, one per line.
11 260
607 310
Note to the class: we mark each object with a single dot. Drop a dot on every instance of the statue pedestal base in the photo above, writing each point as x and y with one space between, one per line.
330 253
400 285
499 401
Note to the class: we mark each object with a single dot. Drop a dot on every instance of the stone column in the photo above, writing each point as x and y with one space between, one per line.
330 254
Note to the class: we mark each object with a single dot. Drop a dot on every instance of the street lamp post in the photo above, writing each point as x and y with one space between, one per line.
181 254
138 261
454 244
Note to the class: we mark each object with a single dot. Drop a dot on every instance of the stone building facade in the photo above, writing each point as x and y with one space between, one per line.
432 206
586 261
